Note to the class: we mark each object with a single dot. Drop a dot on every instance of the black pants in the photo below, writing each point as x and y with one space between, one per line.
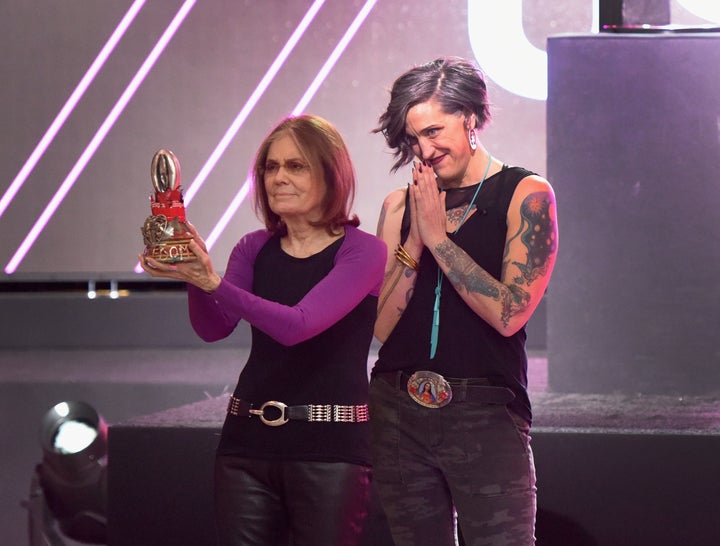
302 503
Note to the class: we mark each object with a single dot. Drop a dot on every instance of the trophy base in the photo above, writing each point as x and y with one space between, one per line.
170 252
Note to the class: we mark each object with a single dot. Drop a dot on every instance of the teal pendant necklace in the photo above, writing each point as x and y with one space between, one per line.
438 287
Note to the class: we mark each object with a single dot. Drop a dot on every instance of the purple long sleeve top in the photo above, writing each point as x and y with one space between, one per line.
215 316
311 332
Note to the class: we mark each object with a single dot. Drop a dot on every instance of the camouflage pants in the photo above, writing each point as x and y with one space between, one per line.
469 458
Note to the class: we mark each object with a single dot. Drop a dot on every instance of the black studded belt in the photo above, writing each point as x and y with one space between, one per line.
315 413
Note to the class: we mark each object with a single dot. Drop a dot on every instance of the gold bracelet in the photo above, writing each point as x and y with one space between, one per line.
404 258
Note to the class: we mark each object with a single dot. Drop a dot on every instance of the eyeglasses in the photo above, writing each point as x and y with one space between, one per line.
291 166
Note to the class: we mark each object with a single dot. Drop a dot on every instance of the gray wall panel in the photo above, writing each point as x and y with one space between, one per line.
634 152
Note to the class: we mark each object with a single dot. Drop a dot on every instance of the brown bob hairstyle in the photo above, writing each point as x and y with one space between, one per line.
325 152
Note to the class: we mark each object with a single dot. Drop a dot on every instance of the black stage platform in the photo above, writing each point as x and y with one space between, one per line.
613 470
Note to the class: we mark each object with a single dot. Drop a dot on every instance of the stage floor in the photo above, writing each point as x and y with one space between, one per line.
219 368
577 438
602 460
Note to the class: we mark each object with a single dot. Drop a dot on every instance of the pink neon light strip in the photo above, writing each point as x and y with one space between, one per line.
252 101
334 56
304 101
247 109
110 120
69 106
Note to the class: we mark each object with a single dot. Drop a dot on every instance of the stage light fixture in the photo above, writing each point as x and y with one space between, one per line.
69 486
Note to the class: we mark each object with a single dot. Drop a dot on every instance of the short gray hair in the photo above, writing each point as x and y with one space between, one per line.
456 83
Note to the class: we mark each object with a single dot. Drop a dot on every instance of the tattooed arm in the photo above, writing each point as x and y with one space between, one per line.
528 261
399 279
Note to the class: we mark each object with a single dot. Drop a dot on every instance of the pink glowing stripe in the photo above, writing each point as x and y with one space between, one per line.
110 120
252 101
304 101
245 111
334 56
229 213
69 106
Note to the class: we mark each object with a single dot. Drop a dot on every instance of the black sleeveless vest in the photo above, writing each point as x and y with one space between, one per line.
467 345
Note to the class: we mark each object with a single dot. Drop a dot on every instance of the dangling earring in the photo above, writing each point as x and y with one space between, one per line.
472 139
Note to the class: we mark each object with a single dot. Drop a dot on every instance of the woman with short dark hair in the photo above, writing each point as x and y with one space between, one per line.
474 244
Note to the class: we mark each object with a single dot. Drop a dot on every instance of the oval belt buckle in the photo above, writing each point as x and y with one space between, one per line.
429 389
281 420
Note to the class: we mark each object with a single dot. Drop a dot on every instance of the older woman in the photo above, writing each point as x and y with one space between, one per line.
293 459
474 244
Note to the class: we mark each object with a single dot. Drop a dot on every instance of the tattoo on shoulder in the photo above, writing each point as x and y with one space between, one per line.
537 233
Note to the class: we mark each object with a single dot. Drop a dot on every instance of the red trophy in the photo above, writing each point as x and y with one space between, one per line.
165 232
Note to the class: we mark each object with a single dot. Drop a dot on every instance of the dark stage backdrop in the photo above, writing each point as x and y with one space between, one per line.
75 150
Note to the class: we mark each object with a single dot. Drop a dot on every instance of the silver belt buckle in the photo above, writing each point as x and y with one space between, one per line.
281 420
429 389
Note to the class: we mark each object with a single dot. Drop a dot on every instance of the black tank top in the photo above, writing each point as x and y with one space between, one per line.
467 345
330 368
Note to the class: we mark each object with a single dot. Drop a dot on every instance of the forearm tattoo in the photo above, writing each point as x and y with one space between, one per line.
537 233
381 222
392 277
515 300
408 295
465 274
398 270
388 286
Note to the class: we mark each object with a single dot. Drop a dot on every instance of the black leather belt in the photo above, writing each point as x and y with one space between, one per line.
477 389
315 413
